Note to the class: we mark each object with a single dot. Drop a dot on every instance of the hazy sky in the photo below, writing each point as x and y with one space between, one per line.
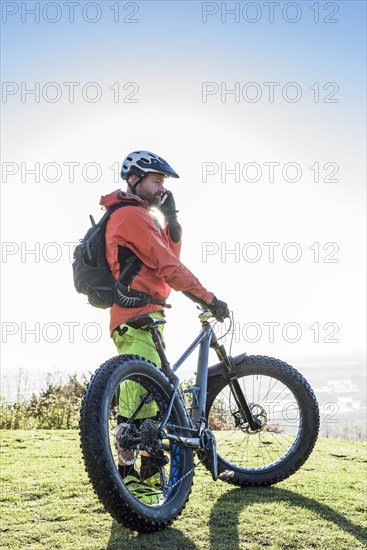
261 110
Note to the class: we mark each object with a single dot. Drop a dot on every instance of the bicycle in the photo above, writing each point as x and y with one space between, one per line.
251 420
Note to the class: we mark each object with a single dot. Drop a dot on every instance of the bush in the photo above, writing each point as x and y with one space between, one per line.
56 407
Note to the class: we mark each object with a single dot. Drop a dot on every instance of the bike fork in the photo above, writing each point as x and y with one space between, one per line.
243 408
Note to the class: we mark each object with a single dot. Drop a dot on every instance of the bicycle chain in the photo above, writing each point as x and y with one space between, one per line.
195 465
187 473
182 428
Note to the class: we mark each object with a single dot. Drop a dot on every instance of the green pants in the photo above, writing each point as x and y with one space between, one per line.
137 342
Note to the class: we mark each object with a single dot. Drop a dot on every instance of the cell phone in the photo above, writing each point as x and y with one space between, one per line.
164 197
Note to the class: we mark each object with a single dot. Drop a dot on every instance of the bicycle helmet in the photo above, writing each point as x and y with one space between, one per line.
140 163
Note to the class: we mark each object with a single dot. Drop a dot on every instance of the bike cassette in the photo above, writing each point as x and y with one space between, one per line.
149 432
152 442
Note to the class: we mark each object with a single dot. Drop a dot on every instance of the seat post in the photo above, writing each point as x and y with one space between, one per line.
159 347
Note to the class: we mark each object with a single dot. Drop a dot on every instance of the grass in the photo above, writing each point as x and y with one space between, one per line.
47 502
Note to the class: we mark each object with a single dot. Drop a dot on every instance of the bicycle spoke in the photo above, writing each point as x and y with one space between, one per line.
279 415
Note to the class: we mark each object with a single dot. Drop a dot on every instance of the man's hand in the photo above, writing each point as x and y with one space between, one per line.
219 309
168 207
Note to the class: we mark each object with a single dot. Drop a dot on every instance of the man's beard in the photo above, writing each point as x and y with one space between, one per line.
155 200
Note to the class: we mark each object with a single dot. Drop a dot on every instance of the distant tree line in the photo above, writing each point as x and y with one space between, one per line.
57 406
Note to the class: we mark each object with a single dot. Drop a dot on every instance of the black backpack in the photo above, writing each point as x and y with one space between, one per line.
92 275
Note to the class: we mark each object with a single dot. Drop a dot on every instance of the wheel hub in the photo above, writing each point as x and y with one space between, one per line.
259 414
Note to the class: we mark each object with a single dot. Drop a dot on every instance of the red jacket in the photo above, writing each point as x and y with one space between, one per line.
136 229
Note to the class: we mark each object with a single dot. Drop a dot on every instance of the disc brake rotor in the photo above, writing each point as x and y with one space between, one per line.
259 414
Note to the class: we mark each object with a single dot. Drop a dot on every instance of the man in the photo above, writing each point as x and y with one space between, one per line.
146 258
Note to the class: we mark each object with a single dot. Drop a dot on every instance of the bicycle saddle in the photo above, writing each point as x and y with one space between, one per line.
143 321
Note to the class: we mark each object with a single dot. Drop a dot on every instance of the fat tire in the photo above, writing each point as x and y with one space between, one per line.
290 377
99 461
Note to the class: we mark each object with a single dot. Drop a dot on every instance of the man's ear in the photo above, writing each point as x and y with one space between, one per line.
133 180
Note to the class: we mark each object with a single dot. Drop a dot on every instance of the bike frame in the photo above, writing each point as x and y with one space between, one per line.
205 340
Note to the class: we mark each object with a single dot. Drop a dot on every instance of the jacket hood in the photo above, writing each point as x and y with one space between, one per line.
118 196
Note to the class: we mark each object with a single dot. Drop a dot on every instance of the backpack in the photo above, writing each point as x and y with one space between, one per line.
92 274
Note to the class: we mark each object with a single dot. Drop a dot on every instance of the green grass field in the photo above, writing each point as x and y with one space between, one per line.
47 502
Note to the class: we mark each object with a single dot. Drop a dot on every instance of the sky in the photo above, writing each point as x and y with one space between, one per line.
259 106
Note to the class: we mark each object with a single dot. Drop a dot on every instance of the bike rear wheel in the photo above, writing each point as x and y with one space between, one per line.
283 401
138 503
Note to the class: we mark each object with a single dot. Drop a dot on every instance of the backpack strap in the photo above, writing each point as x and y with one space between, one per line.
131 263
111 209
123 295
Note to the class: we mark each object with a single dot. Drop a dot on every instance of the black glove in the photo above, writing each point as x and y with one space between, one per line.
219 309
168 207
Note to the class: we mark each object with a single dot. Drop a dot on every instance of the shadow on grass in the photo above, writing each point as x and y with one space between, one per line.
171 538
224 515
224 520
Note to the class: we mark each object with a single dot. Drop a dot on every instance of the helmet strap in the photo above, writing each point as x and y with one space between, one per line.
132 187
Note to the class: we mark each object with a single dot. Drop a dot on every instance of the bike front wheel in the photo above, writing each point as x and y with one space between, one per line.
283 402
141 476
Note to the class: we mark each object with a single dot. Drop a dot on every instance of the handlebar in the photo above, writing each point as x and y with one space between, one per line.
206 314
